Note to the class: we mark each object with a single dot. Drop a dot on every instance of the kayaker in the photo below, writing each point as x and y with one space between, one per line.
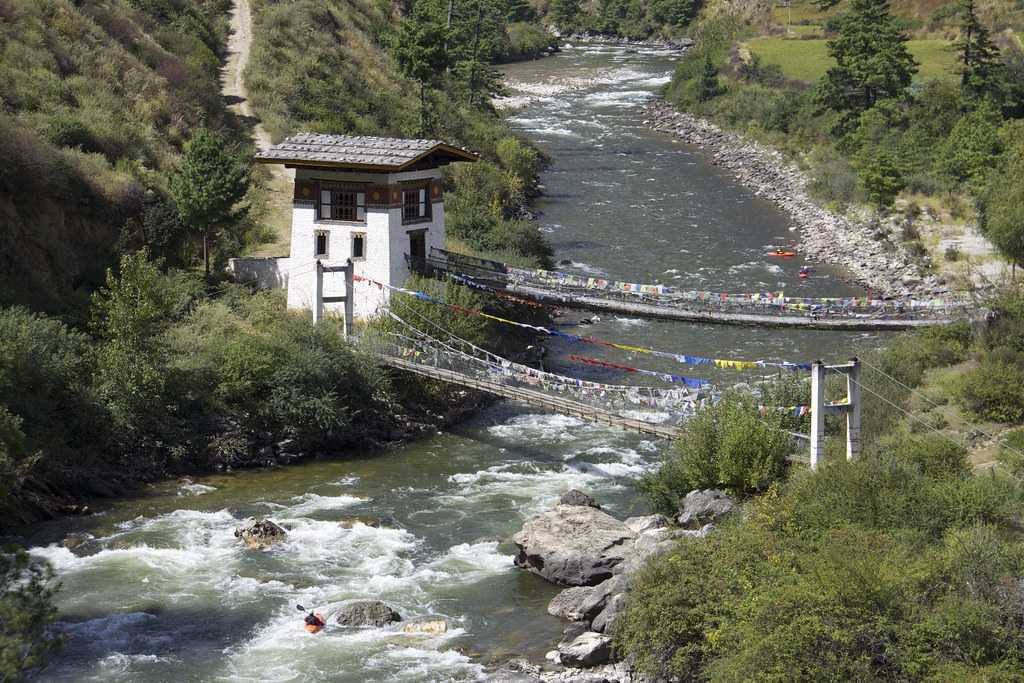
314 620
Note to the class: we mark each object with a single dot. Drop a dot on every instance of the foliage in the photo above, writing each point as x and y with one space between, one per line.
869 570
26 611
1001 204
972 147
708 86
207 187
728 445
981 71
880 177
995 389
130 316
97 99
872 61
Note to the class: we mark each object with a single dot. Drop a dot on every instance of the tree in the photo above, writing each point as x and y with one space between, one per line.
1002 205
565 13
872 62
207 187
709 87
982 74
880 177
973 146
421 51
26 611
477 36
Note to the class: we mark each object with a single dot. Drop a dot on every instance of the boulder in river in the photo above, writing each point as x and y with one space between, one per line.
703 506
260 533
577 497
573 545
367 613
588 649
605 621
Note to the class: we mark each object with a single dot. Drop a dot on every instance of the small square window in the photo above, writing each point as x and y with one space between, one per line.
358 245
320 244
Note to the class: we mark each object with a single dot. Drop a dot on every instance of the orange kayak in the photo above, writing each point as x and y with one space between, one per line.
316 628
784 254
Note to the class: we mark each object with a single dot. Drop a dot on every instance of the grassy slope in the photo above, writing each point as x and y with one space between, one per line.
97 99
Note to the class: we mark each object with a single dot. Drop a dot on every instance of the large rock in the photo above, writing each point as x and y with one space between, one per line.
639 525
605 621
567 603
573 545
599 597
577 497
588 649
260 533
367 613
701 507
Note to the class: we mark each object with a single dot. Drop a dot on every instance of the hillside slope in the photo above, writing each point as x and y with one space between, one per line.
97 101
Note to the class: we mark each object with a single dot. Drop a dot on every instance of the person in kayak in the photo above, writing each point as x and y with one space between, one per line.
314 620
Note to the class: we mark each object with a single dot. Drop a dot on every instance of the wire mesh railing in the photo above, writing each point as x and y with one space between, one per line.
569 288
452 354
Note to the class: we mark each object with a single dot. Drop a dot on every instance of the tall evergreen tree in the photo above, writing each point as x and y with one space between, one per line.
208 185
421 52
565 13
709 86
982 74
872 61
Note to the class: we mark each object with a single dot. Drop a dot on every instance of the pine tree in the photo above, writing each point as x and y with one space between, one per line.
709 87
210 182
1001 205
982 74
421 52
880 177
872 62
565 13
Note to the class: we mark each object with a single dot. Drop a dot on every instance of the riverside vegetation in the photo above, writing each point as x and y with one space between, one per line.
904 564
873 128
119 362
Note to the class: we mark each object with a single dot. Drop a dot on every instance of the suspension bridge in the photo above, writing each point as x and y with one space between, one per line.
659 301
456 361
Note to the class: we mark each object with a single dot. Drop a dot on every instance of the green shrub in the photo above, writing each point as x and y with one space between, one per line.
995 389
26 612
727 445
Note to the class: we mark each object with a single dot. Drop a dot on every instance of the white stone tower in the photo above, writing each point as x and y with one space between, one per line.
373 200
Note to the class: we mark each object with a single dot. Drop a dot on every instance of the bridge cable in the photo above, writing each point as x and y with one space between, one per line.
937 406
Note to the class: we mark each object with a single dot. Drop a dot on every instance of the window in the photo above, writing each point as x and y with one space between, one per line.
320 244
415 207
358 245
341 204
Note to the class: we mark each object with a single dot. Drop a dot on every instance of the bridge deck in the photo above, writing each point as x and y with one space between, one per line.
534 398
645 310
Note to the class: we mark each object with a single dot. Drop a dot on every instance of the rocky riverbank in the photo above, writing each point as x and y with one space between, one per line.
596 556
861 247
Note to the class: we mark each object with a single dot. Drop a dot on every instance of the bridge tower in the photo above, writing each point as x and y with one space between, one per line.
370 201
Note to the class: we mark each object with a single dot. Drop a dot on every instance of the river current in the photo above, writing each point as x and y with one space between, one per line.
161 590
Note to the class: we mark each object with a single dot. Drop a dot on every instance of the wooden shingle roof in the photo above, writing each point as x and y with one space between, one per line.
362 152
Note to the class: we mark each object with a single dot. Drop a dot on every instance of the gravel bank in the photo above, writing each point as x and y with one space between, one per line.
860 248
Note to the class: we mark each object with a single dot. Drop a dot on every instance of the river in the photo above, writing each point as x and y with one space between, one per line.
162 590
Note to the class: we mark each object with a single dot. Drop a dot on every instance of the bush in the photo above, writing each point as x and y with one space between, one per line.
994 390
728 445
26 612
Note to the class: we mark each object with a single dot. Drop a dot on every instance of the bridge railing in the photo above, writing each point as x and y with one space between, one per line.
569 288
460 357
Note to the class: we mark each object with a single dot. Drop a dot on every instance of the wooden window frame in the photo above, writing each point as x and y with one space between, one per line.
317 234
352 245
341 203
420 210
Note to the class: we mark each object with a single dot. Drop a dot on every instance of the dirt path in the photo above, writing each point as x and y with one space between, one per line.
277 180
